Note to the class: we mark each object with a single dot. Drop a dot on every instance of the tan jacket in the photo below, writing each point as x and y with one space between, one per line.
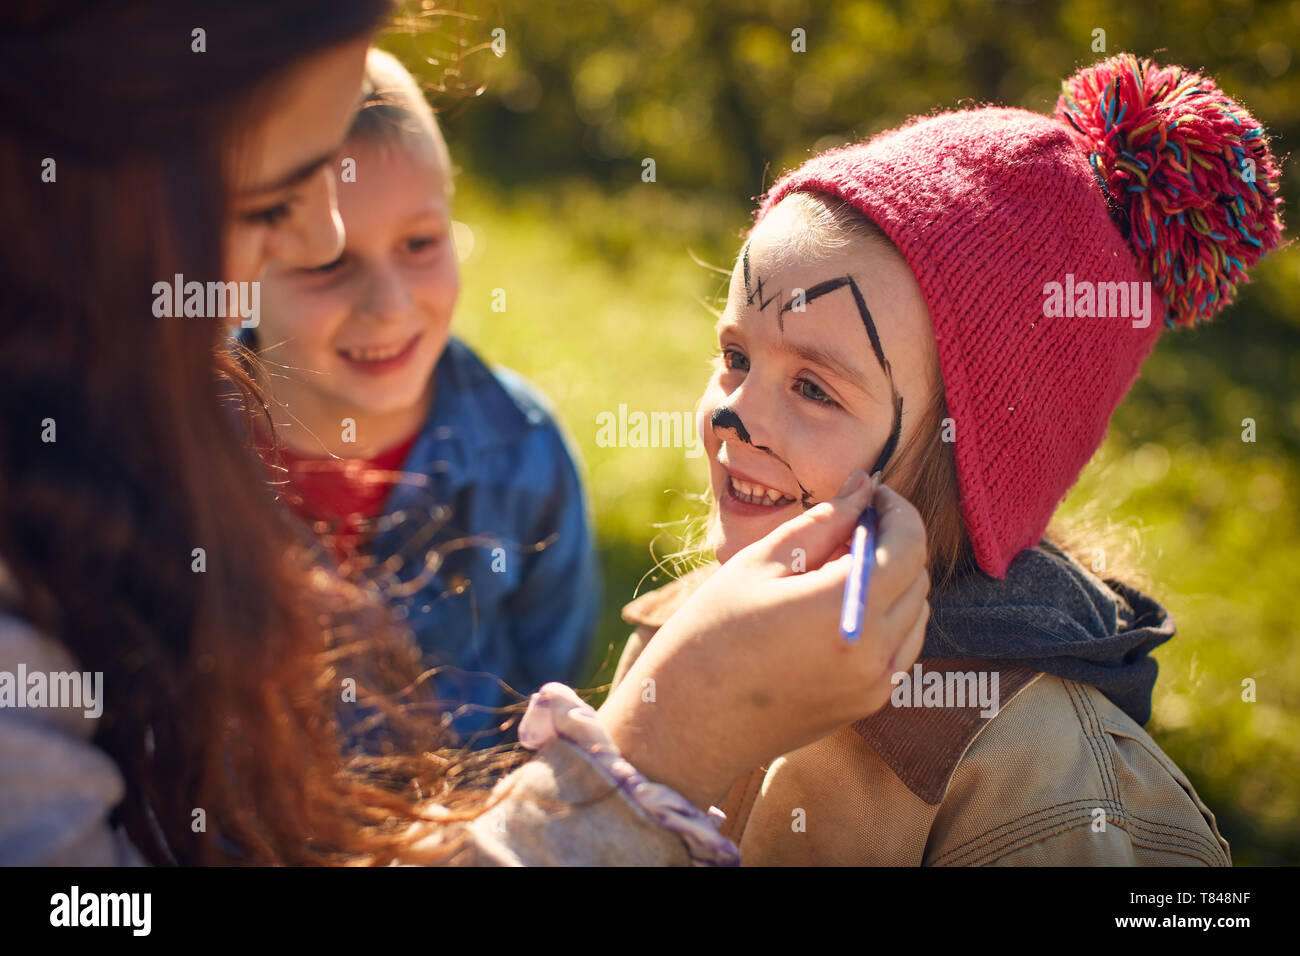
1059 776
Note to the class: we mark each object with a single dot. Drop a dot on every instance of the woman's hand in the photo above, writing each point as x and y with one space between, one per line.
753 666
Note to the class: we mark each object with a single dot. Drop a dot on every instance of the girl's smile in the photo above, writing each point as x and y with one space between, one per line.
748 497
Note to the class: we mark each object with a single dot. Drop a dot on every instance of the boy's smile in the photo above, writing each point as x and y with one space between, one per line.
360 337
381 359
808 385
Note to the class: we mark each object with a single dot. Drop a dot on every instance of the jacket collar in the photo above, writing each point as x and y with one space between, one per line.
921 745
471 413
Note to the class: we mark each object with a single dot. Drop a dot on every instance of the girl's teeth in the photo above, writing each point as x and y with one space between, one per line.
755 494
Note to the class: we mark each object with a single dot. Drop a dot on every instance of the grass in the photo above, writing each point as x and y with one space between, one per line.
605 305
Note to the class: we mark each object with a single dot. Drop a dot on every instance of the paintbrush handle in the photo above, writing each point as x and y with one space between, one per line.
863 551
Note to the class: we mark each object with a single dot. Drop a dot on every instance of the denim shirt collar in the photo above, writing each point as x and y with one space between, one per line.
471 413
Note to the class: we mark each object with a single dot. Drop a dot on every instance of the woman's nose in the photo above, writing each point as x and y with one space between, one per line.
315 236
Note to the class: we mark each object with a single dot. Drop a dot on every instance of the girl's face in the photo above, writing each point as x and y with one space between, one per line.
283 188
362 333
800 396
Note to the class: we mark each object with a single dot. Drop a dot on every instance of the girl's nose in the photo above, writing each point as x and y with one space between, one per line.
741 416
724 419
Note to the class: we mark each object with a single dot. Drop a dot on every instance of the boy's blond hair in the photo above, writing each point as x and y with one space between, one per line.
394 112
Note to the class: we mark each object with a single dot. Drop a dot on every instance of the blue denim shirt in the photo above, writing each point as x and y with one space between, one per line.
497 545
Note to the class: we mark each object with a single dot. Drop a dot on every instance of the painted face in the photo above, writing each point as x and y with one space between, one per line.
283 189
359 336
824 364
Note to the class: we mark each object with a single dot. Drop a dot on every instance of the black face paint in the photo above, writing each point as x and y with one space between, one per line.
751 292
724 417
754 289
830 285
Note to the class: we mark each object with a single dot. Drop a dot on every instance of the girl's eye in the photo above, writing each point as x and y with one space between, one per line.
271 216
813 392
733 360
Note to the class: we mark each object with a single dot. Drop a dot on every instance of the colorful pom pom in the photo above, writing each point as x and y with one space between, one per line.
1190 170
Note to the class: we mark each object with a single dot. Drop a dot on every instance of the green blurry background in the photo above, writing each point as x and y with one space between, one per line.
606 302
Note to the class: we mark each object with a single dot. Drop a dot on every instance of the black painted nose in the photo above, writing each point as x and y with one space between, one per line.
724 417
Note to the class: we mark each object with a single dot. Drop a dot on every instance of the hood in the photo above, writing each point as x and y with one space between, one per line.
1051 614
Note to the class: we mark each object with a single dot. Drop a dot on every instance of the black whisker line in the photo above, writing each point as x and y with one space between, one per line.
871 326
830 285
892 443
817 291
744 258
806 498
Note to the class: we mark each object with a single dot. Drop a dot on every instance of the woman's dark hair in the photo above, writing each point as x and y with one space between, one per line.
118 458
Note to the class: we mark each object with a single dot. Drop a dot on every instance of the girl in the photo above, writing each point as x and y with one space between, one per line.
902 305
483 547
138 543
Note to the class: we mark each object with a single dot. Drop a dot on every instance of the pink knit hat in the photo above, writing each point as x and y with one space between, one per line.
1011 222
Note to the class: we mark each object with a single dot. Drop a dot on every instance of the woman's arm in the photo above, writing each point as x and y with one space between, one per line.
750 667
57 789
636 643
753 666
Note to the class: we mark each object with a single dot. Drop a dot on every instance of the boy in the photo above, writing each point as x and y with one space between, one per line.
447 483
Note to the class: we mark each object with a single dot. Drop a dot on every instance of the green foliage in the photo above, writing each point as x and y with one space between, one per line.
717 95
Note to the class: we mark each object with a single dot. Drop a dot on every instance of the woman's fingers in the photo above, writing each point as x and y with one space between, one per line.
899 614
910 649
900 552
900 547
810 539
773 632
838 553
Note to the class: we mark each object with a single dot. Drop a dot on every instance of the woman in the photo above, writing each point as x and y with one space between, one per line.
136 541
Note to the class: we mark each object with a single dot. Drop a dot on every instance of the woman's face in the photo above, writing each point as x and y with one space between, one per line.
800 396
283 191
364 331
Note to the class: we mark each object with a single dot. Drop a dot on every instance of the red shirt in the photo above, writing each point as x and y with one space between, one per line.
340 497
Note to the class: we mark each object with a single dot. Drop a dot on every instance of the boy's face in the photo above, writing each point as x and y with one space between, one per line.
362 334
799 399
